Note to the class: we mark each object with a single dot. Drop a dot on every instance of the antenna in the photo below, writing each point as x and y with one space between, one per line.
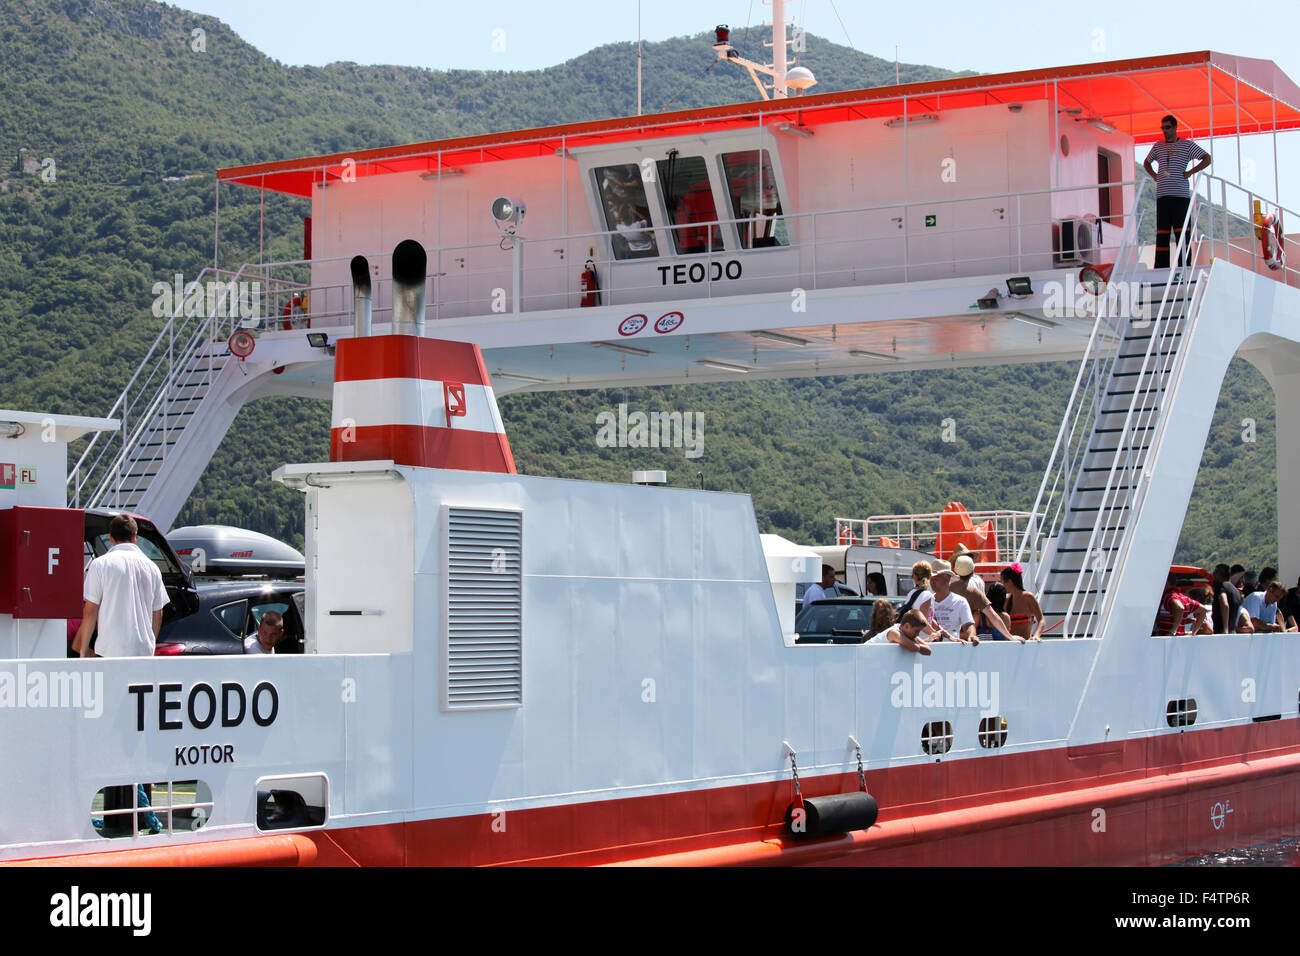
783 80
638 57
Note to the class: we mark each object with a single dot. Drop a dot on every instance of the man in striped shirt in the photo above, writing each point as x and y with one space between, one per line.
1173 190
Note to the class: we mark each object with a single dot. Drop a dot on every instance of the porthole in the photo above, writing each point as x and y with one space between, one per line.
993 732
936 737
149 809
1181 713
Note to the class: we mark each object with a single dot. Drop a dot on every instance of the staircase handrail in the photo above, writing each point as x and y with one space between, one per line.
1066 458
177 364
1097 574
122 404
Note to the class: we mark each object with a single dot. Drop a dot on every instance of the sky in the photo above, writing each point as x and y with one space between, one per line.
1021 34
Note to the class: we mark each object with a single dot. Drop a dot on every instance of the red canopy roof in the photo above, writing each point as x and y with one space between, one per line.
1210 94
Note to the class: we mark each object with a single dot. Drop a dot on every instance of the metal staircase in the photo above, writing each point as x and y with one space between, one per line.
1097 476
159 403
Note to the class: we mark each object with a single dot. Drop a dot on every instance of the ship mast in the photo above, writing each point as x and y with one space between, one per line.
784 79
778 49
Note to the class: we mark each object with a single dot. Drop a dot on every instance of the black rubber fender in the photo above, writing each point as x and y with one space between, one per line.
833 813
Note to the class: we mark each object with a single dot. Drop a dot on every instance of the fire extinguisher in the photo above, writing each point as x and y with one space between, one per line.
590 285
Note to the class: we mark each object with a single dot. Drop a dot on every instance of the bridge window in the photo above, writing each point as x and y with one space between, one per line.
755 199
627 211
688 197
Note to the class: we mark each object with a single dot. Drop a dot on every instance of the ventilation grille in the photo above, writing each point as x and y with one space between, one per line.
484 608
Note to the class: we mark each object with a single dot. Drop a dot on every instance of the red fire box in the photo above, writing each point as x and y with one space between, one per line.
41 562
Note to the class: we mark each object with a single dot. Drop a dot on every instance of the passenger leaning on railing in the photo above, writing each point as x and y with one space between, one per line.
1262 608
1024 616
951 612
908 633
981 608
1175 614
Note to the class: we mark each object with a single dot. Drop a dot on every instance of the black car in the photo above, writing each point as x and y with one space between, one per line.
230 611
837 620
834 621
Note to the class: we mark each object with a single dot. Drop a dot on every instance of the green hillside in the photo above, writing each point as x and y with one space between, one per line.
136 119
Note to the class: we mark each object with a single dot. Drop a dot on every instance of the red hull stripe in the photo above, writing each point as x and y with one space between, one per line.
424 447
409 356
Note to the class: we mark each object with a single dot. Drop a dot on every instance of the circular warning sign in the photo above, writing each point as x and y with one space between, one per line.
241 344
632 324
668 322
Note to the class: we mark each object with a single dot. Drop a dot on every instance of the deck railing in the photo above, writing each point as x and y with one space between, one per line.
1228 229
921 532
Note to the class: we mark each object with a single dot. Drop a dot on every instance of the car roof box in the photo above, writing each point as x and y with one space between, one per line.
220 551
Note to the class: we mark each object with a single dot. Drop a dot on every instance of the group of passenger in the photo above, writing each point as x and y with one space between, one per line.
950 602
1241 602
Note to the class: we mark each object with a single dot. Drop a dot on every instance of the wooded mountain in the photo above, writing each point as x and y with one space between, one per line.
117 101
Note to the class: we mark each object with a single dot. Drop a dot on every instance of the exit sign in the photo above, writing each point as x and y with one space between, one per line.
931 221
6 475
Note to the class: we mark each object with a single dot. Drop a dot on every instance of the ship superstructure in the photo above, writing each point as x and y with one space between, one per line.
505 668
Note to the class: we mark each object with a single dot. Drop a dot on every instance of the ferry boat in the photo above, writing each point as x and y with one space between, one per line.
511 669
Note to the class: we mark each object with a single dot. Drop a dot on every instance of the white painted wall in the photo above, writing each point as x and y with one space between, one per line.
362 546
941 168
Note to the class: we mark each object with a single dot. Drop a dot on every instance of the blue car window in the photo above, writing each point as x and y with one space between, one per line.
232 616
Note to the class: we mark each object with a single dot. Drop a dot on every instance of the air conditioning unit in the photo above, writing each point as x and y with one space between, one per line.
1075 242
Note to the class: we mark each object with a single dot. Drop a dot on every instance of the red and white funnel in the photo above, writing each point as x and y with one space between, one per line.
416 401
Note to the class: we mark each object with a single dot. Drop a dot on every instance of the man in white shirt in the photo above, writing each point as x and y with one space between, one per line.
124 596
827 589
951 611
269 633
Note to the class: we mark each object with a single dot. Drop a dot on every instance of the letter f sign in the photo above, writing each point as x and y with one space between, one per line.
54 560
